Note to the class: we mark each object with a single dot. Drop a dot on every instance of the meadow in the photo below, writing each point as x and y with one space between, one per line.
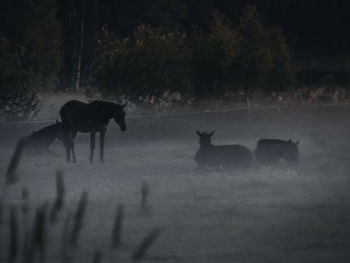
148 201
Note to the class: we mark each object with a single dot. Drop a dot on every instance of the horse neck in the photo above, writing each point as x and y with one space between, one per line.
109 109
49 134
206 145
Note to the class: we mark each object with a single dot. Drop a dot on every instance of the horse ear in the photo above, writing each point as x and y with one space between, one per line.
123 106
211 134
290 141
198 133
297 142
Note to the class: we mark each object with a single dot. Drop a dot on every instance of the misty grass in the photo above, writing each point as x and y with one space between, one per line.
59 202
78 220
26 253
97 257
11 177
39 234
14 236
1 212
145 192
145 244
26 248
65 238
33 247
118 226
25 201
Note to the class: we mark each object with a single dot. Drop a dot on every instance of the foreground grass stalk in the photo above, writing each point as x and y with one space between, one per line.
65 239
11 177
39 234
59 202
78 220
25 202
145 191
146 243
14 236
118 226
97 258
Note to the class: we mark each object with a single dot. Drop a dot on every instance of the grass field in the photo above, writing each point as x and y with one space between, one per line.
262 215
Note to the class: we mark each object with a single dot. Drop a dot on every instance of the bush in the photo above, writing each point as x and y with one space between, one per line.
147 65
214 64
17 106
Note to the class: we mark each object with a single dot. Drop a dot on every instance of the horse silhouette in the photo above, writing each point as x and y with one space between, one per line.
39 141
90 118
234 156
36 143
270 151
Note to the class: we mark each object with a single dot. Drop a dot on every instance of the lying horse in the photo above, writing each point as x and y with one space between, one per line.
39 141
222 156
269 152
91 117
36 143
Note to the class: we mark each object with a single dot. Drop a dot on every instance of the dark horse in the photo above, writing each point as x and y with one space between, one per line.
91 117
39 141
228 157
36 143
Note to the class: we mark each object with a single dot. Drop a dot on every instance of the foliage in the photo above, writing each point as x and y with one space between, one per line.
213 63
29 58
214 54
264 61
144 66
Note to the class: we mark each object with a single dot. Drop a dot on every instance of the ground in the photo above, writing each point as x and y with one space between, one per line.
262 215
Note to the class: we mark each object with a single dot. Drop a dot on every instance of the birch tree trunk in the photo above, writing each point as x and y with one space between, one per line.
80 48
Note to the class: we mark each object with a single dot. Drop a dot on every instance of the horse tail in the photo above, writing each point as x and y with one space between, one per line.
15 159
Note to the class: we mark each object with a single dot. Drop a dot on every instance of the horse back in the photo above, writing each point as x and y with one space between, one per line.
227 156
86 117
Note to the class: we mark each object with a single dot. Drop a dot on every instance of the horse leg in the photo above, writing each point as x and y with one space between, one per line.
71 144
92 145
66 143
102 143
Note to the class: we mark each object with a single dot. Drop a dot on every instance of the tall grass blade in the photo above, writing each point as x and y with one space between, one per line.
25 201
27 249
78 220
146 243
59 202
39 233
1 212
97 258
14 236
118 226
65 239
145 190
11 177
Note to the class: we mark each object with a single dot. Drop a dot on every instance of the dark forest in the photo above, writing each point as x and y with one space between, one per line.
197 48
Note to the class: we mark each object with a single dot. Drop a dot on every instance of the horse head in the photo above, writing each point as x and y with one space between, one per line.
205 138
119 116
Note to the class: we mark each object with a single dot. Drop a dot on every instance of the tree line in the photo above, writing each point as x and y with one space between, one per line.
216 63
143 49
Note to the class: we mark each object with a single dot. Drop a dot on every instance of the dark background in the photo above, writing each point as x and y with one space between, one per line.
317 31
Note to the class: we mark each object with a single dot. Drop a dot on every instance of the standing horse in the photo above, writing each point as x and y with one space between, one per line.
91 117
